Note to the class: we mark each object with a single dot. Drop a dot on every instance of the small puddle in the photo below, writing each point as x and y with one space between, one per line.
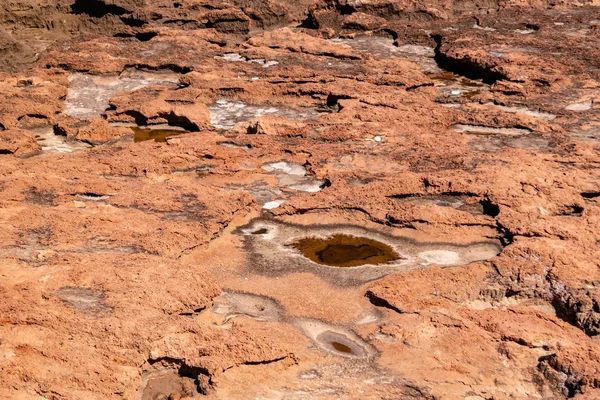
338 343
158 134
225 114
334 339
345 251
341 347
347 255
89 95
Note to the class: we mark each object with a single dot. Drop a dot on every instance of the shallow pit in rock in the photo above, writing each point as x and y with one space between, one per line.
340 344
581 106
459 202
87 301
53 143
237 57
524 111
260 308
225 114
335 340
293 176
91 196
489 131
290 248
88 96
384 47
489 139
345 251
451 85
490 143
166 384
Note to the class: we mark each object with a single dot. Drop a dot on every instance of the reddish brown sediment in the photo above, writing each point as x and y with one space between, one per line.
461 138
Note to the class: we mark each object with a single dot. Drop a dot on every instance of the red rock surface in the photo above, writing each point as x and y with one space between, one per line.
462 134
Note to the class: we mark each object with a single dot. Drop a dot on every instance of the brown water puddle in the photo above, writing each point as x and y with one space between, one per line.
158 135
341 344
341 347
345 251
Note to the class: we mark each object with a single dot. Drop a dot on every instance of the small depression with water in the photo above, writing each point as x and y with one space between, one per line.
345 251
340 344
334 339
158 133
348 255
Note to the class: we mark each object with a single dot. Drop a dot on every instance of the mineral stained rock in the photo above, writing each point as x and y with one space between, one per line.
314 199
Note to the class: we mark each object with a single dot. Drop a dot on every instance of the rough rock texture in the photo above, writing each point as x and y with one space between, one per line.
462 134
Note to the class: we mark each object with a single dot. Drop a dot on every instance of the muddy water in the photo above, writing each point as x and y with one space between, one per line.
341 347
224 114
88 95
141 134
345 251
337 343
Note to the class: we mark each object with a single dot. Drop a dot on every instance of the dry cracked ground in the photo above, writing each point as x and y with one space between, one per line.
299 199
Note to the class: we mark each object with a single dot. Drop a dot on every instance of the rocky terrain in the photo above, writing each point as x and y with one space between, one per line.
312 199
